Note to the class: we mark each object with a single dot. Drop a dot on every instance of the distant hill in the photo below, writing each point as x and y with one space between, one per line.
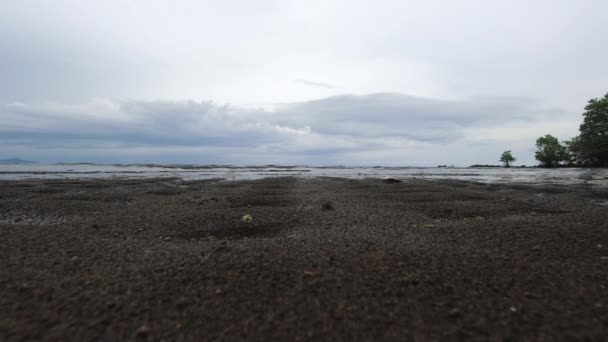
16 161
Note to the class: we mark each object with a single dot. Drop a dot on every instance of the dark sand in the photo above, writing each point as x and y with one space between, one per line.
324 258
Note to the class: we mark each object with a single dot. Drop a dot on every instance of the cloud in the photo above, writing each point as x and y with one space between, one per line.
316 84
396 115
383 128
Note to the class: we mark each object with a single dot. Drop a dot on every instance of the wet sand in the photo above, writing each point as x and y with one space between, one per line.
323 258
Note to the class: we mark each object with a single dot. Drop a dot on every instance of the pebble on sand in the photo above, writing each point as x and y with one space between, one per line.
143 330
454 312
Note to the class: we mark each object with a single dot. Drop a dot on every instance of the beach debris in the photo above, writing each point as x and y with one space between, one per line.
327 206
391 181
247 218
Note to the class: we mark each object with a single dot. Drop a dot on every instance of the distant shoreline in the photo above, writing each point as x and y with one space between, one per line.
178 165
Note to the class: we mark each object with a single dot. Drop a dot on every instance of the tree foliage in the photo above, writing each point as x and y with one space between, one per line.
549 151
507 158
590 147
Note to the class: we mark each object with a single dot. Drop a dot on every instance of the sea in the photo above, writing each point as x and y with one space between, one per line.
593 176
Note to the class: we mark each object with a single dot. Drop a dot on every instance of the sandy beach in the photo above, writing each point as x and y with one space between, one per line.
322 258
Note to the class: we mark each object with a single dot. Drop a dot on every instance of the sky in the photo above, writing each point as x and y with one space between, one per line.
396 83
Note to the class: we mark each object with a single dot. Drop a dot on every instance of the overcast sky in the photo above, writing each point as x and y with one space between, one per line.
296 82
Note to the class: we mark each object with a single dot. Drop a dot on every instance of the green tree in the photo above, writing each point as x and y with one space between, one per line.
573 148
549 152
507 158
590 147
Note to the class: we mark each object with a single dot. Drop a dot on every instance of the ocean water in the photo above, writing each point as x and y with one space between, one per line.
198 172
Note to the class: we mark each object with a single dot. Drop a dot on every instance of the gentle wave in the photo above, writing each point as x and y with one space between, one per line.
231 172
